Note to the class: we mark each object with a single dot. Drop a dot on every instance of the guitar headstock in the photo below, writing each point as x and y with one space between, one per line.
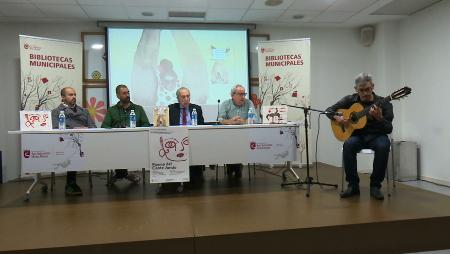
400 93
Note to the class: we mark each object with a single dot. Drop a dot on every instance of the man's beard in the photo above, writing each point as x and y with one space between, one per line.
71 104
126 100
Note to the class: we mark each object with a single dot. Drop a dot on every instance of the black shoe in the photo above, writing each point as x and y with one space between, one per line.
376 193
134 178
73 189
349 192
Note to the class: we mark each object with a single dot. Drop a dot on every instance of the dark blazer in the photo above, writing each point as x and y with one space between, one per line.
174 113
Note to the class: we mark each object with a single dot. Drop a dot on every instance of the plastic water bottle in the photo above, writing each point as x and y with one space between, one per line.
194 117
250 116
132 119
61 120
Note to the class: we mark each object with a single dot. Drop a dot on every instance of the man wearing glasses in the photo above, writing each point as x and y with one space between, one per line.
233 112
372 136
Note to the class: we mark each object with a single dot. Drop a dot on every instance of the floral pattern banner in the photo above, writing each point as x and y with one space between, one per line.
96 104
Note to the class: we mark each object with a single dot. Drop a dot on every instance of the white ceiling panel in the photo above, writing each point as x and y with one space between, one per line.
404 7
20 10
260 5
351 5
362 20
262 15
14 1
135 13
100 2
322 13
225 14
333 17
311 5
202 4
105 12
152 3
73 2
62 11
230 4
307 16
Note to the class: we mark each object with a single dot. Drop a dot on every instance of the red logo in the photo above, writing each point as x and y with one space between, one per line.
253 145
266 50
26 46
26 154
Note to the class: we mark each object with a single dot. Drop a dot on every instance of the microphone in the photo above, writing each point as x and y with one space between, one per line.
218 105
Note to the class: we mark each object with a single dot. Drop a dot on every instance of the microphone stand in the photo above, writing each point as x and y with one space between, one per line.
309 180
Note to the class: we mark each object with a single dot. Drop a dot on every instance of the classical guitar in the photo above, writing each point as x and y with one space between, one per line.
357 114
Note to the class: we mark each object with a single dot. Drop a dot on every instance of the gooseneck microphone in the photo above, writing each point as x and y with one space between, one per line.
218 106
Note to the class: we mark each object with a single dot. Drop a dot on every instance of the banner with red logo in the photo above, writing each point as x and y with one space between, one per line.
169 155
47 66
285 76
53 153
273 145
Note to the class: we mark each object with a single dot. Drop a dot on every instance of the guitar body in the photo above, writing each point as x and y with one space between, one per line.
342 133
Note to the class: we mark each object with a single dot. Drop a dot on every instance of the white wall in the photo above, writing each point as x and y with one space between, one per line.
10 80
424 58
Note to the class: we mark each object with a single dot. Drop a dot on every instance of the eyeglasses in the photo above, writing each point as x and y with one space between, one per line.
241 94
365 90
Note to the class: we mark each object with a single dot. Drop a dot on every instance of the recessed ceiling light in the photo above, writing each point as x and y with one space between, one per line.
273 2
298 16
97 46
147 13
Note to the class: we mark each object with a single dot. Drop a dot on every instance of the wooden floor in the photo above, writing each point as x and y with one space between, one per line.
222 217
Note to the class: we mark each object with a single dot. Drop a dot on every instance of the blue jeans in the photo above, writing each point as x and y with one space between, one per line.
380 144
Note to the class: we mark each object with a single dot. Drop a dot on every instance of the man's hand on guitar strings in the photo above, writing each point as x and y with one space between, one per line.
376 113
341 120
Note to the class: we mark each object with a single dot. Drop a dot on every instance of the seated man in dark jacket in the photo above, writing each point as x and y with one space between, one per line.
180 114
76 117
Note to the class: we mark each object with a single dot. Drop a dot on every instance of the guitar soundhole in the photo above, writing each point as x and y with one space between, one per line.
353 117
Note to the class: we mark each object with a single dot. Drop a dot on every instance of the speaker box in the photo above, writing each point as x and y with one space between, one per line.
367 35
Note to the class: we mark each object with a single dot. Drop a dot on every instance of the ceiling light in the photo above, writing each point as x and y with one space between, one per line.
147 14
298 16
273 2
97 46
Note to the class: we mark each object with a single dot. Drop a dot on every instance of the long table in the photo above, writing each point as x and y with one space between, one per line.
107 149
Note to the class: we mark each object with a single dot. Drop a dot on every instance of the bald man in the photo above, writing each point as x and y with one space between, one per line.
76 117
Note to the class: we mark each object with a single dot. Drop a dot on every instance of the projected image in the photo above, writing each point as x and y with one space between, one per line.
154 63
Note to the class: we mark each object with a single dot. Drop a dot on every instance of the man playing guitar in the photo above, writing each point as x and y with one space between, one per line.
372 135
